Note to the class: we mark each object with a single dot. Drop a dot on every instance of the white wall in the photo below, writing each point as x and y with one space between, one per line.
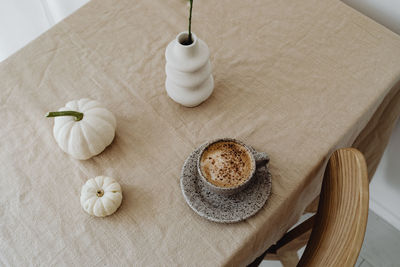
21 21
386 12
385 185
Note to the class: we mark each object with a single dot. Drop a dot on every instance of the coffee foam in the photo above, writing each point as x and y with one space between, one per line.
226 164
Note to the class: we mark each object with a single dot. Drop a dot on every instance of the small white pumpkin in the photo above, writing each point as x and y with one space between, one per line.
101 196
83 128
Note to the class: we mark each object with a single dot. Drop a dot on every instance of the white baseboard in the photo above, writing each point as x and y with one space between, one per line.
385 214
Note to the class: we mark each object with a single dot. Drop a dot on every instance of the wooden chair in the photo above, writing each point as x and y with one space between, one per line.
336 232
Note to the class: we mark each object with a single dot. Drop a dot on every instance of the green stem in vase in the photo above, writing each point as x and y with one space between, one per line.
189 41
78 115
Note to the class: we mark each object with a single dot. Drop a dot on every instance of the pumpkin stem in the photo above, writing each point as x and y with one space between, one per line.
100 193
78 115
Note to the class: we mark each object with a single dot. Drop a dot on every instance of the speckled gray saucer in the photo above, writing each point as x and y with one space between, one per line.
218 208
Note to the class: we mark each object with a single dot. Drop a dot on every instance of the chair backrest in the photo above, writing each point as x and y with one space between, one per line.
341 220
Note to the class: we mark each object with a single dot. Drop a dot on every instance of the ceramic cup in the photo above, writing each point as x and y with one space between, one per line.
258 160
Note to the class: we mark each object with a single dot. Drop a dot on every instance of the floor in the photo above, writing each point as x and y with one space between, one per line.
23 20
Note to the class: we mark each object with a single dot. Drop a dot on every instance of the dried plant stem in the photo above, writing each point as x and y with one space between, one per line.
189 41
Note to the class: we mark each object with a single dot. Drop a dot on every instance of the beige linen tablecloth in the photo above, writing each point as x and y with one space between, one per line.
297 79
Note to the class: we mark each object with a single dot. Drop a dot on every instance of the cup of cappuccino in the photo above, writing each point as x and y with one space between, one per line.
228 166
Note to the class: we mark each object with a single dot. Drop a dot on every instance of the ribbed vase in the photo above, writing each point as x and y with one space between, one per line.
189 80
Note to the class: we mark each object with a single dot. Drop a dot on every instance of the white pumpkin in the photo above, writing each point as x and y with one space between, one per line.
101 196
83 128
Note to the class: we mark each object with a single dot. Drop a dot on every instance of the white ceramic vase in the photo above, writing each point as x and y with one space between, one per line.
189 80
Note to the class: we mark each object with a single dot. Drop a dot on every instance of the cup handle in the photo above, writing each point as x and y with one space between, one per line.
261 159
